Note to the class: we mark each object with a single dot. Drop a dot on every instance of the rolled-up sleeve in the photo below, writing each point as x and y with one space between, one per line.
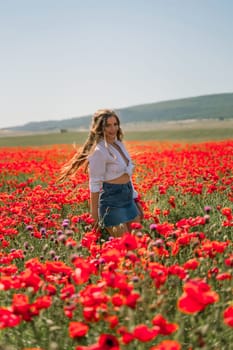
97 162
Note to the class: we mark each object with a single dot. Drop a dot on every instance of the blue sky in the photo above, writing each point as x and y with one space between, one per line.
63 59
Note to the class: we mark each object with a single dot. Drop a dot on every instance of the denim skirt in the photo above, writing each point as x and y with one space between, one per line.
116 204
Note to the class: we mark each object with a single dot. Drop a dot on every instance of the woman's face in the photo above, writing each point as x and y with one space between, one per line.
110 129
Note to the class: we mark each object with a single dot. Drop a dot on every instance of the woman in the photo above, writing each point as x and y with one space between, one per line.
113 200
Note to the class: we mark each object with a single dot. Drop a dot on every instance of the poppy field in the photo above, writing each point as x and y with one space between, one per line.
167 285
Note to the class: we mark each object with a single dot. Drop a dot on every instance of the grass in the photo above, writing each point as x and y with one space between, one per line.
43 139
196 135
195 131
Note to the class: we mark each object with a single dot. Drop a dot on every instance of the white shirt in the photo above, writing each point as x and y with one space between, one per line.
106 163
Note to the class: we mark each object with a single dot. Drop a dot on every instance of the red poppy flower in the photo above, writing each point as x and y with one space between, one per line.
105 342
118 299
131 300
227 212
167 345
67 291
30 279
58 267
228 316
171 201
8 318
77 329
43 302
163 327
229 260
20 304
127 336
108 342
135 226
129 242
32 349
143 333
159 273
82 271
197 295
112 320
191 264
224 276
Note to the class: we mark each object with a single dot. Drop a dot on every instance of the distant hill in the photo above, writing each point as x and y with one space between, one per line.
216 106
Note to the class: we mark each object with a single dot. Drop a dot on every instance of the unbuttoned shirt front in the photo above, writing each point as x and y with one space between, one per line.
106 163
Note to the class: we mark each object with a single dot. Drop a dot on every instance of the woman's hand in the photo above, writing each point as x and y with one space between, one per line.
95 218
94 198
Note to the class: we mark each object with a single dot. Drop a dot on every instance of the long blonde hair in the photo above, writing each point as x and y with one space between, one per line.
96 134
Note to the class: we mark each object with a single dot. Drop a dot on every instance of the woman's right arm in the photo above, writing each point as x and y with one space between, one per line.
97 163
94 200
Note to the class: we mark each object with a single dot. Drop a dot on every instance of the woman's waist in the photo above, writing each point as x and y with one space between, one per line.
114 193
120 180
